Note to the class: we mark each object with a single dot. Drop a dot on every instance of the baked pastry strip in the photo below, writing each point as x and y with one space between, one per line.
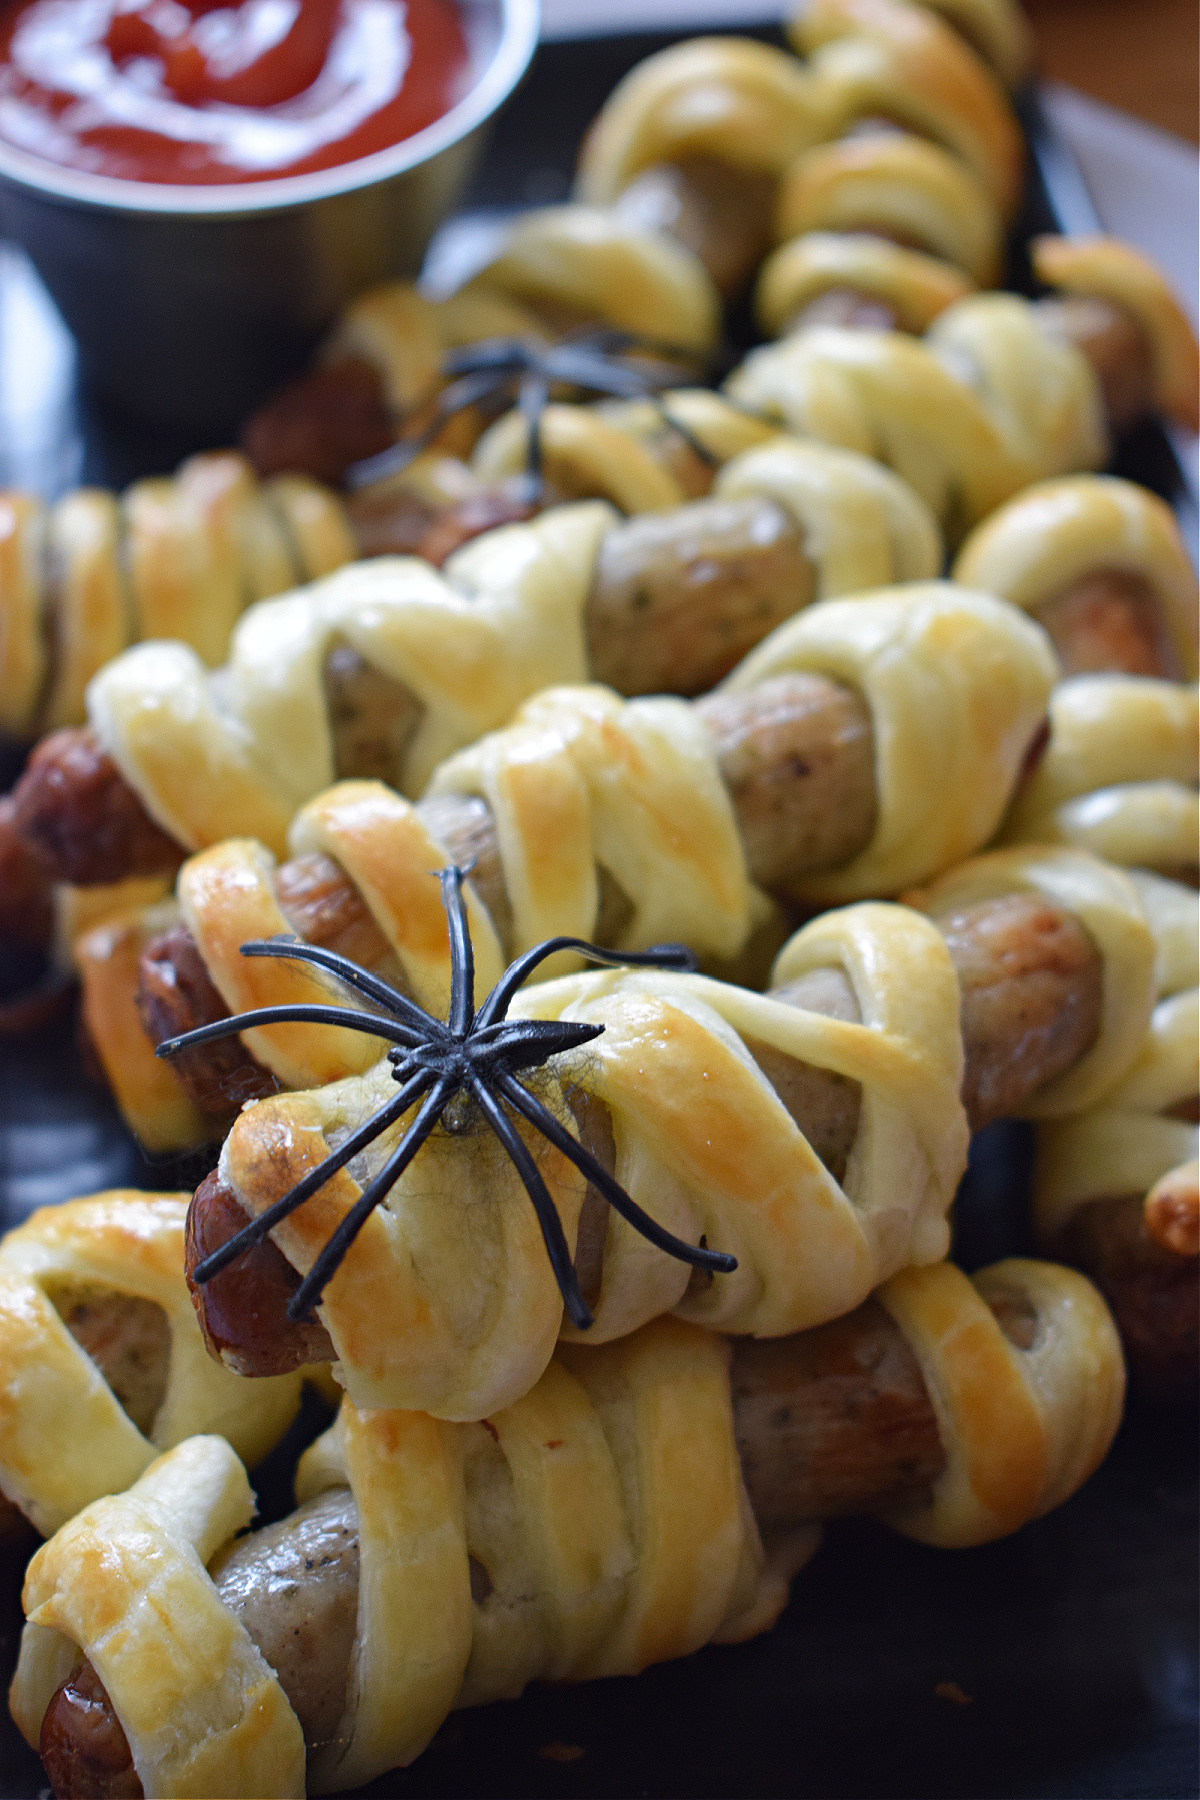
1119 776
65 1437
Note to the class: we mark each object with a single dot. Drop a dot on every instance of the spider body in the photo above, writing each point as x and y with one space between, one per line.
454 1068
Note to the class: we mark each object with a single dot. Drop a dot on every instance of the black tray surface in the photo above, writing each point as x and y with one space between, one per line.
1060 1664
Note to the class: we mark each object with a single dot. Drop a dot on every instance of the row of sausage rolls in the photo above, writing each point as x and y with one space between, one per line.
182 558
351 678
687 169
802 782
641 1500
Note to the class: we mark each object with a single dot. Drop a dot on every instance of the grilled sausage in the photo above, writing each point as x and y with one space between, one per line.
321 423
75 810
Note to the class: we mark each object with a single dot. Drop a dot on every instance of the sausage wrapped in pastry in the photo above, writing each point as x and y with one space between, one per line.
180 557
101 1361
1115 1188
643 1499
1101 564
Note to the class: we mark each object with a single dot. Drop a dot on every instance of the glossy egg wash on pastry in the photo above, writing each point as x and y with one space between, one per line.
172 91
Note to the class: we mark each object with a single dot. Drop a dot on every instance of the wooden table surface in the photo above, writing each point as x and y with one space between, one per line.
1141 55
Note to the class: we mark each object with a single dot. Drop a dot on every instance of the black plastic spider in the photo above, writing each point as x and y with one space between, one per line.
475 1054
527 370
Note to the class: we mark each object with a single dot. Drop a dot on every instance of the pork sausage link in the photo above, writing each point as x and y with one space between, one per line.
321 423
797 754
243 1309
1031 983
83 1746
175 995
74 809
1110 622
678 598
1151 1290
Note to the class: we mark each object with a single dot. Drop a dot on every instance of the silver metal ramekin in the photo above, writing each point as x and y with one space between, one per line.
189 303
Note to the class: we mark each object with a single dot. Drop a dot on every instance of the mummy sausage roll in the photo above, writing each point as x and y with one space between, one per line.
1115 1186
695 141
768 1131
620 822
180 557
642 1500
102 1365
1100 563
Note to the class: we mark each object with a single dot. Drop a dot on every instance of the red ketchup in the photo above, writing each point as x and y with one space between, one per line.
203 92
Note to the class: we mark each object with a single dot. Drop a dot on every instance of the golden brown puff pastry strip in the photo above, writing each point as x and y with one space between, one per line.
888 59
728 99
179 557
996 29
1119 776
855 272
982 405
1101 563
65 1436
897 186
597 1525
1110 269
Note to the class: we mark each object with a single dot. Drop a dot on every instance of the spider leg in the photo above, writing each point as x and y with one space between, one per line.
694 444
462 954
371 1023
661 956
547 1213
257 1229
474 386
527 1043
522 1101
584 369
349 972
312 1287
532 398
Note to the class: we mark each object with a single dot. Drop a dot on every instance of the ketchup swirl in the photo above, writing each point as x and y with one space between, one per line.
202 92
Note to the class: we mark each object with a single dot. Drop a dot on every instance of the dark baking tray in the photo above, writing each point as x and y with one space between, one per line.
1060 1664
